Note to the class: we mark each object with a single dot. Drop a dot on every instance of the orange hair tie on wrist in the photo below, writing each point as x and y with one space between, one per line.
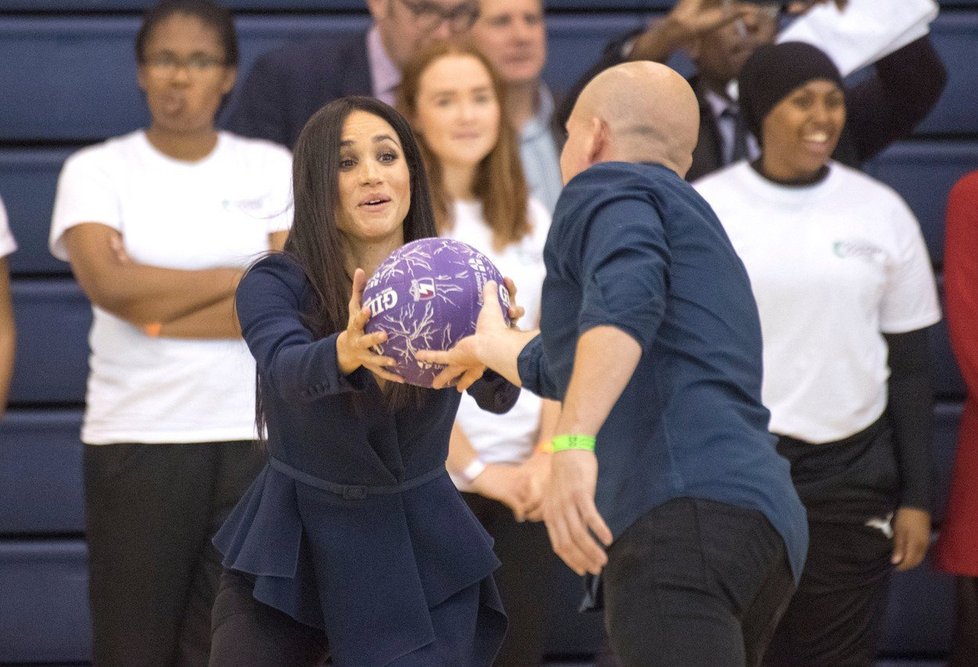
153 329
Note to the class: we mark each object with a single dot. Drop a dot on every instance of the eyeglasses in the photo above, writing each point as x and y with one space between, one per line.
167 64
429 15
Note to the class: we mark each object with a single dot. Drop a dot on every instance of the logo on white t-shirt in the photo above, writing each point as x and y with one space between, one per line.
858 248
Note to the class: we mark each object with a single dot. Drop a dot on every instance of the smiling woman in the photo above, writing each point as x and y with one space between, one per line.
158 226
844 291
455 101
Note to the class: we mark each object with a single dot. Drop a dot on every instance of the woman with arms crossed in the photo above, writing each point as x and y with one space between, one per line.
158 226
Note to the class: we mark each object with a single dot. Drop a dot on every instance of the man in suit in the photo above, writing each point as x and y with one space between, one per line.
286 86
719 36
513 36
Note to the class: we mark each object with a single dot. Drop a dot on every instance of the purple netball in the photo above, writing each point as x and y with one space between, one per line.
426 296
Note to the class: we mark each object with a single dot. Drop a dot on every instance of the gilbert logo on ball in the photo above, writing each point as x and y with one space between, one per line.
427 296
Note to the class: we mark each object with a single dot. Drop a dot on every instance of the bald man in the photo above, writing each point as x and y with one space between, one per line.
665 481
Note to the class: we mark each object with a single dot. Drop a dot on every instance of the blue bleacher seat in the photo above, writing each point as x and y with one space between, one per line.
44 606
923 172
41 473
59 62
306 5
53 318
28 178
954 37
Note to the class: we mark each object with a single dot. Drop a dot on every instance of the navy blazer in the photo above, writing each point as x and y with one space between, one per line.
286 86
354 525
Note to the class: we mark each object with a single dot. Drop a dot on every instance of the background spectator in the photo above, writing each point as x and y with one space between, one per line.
845 292
455 102
719 36
157 225
286 86
957 548
513 36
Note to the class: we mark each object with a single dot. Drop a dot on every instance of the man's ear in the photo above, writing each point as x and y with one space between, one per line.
598 140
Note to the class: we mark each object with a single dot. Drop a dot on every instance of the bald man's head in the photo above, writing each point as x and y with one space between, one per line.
634 112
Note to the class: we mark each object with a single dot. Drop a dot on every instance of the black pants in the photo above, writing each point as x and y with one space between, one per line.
150 513
695 582
835 616
525 579
249 633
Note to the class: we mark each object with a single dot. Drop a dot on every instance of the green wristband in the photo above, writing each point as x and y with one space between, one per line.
573 441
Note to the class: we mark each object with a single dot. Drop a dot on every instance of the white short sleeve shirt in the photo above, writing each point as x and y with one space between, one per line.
833 266
217 212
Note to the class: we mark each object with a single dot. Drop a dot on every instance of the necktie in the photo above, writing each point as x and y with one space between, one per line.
738 148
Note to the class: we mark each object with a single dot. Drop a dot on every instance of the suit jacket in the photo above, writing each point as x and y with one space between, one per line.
288 85
883 107
355 505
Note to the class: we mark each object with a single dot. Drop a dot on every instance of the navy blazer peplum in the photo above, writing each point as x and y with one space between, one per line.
353 526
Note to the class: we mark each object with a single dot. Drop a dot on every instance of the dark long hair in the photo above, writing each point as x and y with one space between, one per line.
500 184
316 243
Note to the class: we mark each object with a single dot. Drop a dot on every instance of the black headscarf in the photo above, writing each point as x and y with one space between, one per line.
773 71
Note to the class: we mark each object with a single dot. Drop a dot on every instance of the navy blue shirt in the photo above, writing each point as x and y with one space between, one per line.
633 246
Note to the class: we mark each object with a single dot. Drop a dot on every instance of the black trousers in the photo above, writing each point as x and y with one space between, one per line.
835 617
249 633
150 514
695 582
525 579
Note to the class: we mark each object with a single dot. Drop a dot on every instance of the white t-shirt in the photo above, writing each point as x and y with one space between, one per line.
508 438
217 212
832 266
7 243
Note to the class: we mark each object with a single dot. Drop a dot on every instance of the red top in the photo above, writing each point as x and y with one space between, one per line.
957 548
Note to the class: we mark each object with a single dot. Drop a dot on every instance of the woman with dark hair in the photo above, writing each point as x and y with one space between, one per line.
159 225
352 542
845 293
454 101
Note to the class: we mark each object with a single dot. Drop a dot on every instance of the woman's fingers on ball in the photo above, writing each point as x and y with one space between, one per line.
510 287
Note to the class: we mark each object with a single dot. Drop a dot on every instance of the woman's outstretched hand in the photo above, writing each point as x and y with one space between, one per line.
354 347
